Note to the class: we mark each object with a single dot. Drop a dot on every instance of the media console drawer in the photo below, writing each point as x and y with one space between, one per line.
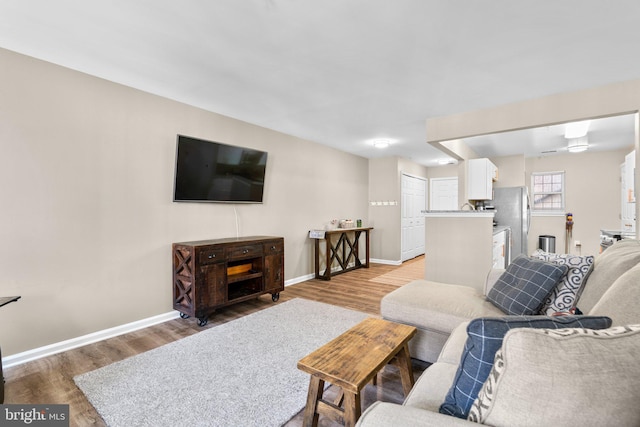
210 274
273 248
244 251
208 256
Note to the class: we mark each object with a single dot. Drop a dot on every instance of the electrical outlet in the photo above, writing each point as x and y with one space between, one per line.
577 243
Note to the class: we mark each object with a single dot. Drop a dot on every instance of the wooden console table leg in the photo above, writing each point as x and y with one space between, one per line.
317 260
366 239
356 249
316 389
329 251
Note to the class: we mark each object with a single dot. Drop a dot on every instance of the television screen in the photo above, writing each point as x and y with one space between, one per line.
208 171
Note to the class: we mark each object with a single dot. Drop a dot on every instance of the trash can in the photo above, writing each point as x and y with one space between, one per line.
547 243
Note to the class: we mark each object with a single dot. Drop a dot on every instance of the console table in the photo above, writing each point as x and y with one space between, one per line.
342 246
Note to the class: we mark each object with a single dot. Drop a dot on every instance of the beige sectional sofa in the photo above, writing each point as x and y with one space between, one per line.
442 312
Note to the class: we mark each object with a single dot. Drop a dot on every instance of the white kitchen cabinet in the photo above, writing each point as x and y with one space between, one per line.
628 202
500 248
481 174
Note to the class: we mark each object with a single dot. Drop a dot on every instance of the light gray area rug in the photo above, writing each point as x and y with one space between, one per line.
241 373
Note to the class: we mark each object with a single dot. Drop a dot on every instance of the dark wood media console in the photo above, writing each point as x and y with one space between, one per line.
210 274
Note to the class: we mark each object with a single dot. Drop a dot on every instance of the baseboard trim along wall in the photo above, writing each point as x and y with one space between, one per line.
386 261
59 347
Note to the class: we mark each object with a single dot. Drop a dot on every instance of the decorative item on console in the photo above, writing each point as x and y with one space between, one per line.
343 223
331 225
346 223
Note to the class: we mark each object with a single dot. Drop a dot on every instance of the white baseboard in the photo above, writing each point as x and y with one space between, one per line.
59 347
299 279
48 350
386 261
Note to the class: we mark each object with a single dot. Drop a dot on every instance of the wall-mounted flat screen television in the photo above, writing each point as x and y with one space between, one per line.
208 171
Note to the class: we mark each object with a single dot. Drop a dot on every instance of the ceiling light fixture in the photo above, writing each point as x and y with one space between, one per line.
447 162
381 143
576 129
578 145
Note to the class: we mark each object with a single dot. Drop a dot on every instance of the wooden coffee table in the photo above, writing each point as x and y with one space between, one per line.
350 361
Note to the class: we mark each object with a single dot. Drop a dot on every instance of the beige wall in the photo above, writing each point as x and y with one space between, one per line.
459 250
511 171
87 217
592 189
445 171
593 196
385 185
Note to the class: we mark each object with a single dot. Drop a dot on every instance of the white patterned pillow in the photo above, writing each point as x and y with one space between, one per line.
570 376
564 296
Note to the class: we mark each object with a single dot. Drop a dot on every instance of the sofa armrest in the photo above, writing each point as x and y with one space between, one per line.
492 278
384 414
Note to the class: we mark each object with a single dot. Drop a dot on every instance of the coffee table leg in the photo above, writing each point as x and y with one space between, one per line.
406 371
316 389
352 409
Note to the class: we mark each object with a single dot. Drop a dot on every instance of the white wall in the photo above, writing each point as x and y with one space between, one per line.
87 218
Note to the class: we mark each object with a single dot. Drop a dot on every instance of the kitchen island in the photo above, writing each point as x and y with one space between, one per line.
459 247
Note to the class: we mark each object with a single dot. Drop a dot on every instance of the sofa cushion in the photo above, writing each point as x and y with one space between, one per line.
563 377
607 267
621 301
453 348
385 414
563 297
435 306
484 338
431 387
524 285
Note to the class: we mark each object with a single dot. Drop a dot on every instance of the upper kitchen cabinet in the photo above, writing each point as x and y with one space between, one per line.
628 207
481 174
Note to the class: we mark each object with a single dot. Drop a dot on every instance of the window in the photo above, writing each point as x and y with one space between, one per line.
548 192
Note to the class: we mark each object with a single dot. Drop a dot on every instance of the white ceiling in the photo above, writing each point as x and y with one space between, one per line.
338 72
604 134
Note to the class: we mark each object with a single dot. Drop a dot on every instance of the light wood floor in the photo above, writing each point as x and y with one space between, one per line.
50 380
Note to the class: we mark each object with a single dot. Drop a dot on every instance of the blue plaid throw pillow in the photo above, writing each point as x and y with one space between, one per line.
484 338
525 285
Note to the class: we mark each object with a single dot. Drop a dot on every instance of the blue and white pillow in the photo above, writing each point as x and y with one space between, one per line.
525 284
563 297
484 338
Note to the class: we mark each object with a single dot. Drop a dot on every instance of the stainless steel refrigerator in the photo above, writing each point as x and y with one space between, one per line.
512 209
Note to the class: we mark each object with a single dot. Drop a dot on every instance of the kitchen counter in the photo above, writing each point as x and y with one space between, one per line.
459 214
458 247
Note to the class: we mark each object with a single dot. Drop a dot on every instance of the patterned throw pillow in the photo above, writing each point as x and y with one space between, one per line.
524 285
484 338
596 370
563 297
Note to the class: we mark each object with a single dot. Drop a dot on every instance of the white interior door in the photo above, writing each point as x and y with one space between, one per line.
414 200
444 194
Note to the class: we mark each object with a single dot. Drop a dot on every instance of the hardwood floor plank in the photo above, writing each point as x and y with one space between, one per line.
50 380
